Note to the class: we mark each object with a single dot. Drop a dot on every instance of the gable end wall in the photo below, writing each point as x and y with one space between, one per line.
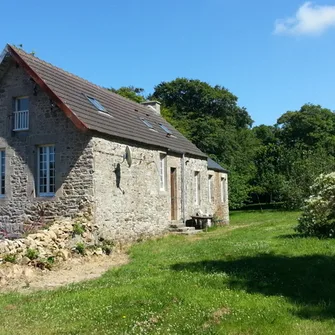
48 125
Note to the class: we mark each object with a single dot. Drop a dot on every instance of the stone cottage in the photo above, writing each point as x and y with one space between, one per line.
67 146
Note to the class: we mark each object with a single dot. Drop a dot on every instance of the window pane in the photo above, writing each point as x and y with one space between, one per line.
46 169
22 104
97 104
166 129
162 171
147 123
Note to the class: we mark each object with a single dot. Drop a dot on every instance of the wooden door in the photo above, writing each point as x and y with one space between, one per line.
173 188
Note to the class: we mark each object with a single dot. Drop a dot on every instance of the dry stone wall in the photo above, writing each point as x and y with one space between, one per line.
64 238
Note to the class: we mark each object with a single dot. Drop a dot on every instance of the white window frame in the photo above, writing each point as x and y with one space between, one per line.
197 187
210 188
223 190
48 193
162 172
21 117
2 173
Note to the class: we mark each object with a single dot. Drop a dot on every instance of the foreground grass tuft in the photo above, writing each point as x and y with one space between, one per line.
254 277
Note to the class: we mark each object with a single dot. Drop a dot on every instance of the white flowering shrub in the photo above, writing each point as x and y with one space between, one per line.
318 218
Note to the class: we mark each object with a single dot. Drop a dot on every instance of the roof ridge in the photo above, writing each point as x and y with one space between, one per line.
33 57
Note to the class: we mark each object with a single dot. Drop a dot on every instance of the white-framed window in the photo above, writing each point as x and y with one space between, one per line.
21 114
210 188
2 172
197 187
162 172
223 190
46 185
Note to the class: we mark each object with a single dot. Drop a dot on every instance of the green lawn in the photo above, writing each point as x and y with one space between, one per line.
253 277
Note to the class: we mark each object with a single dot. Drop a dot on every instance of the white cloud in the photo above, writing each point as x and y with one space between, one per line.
310 19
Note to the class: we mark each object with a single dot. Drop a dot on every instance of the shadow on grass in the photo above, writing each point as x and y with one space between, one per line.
307 281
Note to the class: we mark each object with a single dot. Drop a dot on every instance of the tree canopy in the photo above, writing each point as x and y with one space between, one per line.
130 92
267 163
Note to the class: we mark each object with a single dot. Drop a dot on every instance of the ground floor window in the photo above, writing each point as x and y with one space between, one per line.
2 172
46 171
223 190
210 188
162 172
197 187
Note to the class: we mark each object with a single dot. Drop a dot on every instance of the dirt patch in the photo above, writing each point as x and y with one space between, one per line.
217 317
74 270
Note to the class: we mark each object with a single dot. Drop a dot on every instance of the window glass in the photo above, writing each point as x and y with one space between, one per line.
46 171
22 104
97 104
166 129
162 171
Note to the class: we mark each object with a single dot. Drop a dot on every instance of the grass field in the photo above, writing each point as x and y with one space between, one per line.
254 277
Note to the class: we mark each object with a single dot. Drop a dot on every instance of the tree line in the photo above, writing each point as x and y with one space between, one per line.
267 164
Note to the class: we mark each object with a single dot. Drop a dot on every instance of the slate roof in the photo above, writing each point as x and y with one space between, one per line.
212 165
123 120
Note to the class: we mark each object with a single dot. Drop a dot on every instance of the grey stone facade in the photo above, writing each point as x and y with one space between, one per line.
47 125
127 203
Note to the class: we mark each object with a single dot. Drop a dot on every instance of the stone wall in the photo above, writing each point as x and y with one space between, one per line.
219 204
47 125
129 202
193 165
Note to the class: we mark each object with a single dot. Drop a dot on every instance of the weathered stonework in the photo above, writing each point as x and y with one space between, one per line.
129 202
219 202
47 125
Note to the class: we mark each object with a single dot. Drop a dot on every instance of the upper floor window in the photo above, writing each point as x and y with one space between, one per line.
162 171
46 185
21 114
2 172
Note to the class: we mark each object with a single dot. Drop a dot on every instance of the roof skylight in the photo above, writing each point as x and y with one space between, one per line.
96 104
166 129
147 123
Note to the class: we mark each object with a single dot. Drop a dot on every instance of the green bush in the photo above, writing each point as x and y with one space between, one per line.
80 248
10 258
78 228
32 254
318 218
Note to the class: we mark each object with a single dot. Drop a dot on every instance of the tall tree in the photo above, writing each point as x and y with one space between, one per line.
311 126
211 118
130 92
293 153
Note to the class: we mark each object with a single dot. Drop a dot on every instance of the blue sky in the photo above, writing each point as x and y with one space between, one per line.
274 55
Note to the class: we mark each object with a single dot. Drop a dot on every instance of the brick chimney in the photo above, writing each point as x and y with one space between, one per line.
155 105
